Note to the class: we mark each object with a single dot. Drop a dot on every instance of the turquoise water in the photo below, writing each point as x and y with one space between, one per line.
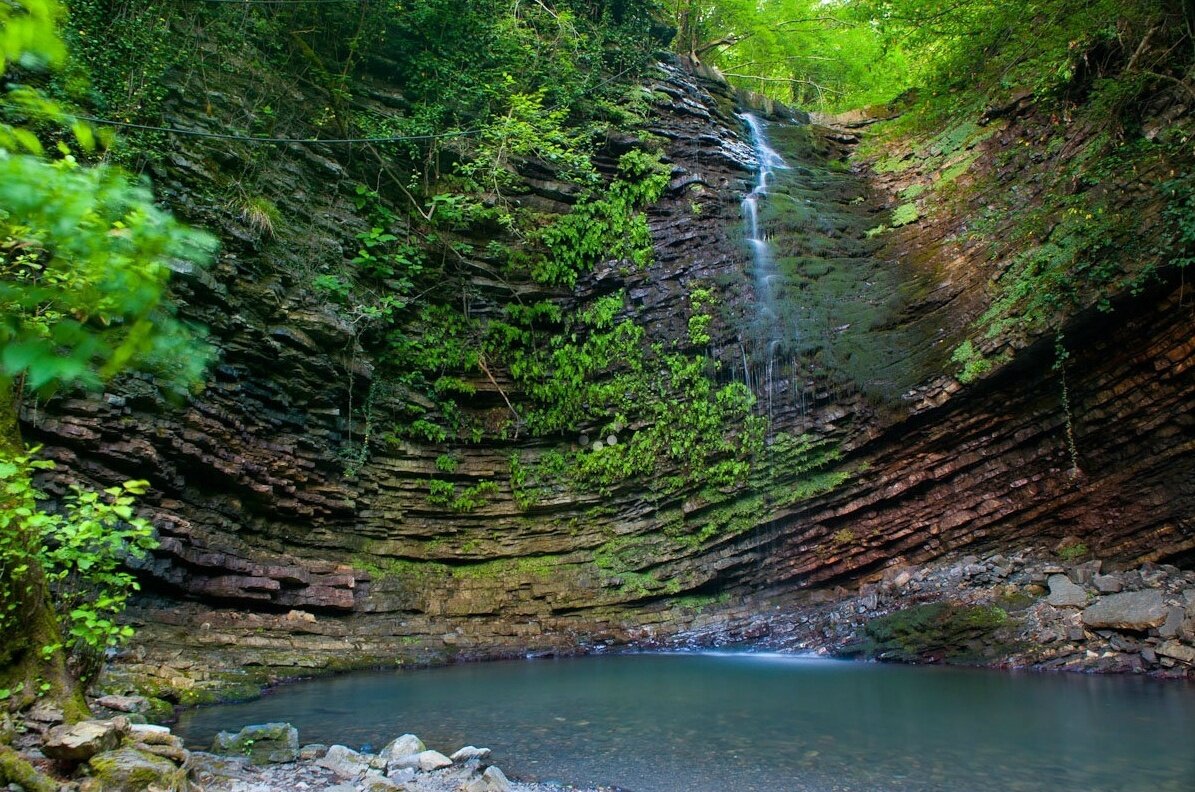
741 722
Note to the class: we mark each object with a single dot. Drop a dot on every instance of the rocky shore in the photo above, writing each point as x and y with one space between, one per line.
119 755
1035 608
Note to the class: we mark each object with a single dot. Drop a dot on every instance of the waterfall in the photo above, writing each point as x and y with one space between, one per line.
761 251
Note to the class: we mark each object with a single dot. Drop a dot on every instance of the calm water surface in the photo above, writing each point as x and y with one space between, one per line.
740 722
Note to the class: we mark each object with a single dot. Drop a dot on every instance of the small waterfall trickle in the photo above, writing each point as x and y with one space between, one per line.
761 252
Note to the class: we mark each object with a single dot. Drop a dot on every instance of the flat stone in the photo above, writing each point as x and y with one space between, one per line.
45 712
1189 598
344 762
263 743
149 734
1129 610
124 703
1178 651
469 753
1108 584
1065 594
400 747
432 760
1149 655
80 741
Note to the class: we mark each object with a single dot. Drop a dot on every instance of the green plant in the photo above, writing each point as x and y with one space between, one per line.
974 364
606 227
261 214
1073 552
905 214
80 551
447 463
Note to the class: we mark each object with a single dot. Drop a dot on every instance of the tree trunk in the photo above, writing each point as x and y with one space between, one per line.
32 656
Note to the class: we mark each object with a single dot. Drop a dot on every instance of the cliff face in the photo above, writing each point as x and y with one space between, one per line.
283 553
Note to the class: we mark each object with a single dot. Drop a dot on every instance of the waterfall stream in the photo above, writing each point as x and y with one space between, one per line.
763 262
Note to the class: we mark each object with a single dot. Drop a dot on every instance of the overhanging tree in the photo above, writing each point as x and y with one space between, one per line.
85 258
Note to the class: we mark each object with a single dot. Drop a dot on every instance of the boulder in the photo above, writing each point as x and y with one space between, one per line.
1129 610
80 741
344 762
399 747
263 743
469 753
1178 651
130 770
1065 594
492 780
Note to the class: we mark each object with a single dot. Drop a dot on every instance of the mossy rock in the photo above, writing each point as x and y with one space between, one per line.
130 770
265 743
938 632
15 770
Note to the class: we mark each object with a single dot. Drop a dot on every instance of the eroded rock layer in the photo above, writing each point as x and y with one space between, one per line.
283 555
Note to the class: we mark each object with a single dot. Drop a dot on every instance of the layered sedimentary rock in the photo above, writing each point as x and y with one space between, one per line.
284 553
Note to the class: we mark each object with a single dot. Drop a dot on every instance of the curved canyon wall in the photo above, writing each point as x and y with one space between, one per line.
275 561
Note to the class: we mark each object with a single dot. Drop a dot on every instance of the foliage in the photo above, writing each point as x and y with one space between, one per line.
801 51
444 493
81 551
85 256
607 227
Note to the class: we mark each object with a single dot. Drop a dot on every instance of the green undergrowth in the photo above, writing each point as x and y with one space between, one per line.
1049 202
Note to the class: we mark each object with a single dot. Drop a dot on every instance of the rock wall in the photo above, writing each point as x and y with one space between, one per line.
276 562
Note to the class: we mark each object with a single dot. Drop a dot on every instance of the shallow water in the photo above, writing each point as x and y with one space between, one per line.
740 722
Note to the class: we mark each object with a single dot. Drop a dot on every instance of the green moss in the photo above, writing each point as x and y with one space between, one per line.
905 214
15 770
511 569
935 632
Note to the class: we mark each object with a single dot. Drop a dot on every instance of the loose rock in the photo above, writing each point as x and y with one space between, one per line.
469 753
406 745
131 770
81 741
1129 610
265 743
1065 594
344 762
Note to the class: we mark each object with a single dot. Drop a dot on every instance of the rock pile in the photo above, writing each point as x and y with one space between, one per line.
1053 614
99 755
267 758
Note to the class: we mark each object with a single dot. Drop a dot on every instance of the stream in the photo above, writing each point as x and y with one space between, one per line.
720 722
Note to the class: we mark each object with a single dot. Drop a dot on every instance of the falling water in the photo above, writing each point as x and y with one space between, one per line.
761 252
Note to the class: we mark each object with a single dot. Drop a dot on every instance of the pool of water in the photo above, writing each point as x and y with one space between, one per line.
742 722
